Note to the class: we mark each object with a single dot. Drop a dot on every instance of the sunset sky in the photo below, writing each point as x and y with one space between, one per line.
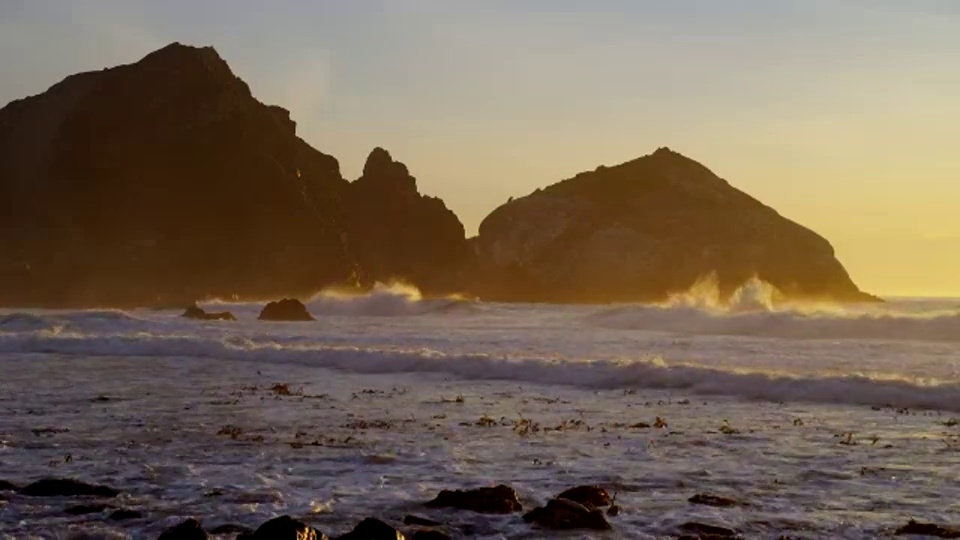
844 115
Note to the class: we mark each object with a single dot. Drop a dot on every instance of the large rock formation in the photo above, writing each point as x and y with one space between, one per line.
399 234
163 181
644 229
166 181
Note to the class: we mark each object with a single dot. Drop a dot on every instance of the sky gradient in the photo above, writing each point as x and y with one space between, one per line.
841 114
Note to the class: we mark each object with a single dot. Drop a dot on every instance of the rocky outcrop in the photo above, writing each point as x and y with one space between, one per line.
373 529
195 312
284 528
645 229
499 499
594 496
288 309
66 487
399 234
190 529
564 514
916 528
160 182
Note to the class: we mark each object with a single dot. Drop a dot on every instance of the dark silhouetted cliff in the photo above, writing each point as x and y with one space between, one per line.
399 234
646 228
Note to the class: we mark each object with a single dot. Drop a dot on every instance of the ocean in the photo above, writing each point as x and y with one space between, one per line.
819 420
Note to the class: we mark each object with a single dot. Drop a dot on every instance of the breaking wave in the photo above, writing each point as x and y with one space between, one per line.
653 373
385 300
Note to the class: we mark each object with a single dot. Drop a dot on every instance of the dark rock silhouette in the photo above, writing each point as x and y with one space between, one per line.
288 309
59 487
927 529
124 514
594 496
487 500
7 486
187 530
284 528
159 182
373 529
399 234
564 514
707 499
84 509
644 229
194 312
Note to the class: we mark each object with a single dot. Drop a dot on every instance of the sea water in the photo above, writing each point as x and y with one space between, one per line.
823 421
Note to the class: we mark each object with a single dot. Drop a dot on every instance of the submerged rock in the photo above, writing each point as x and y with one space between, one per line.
499 499
707 499
373 529
594 496
288 309
927 529
7 486
564 514
188 530
284 528
60 487
84 509
194 312
124 514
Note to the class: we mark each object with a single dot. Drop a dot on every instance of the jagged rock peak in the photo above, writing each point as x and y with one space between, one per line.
381 164
178 52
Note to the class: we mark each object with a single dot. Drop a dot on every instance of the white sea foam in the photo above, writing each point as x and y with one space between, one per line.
653 372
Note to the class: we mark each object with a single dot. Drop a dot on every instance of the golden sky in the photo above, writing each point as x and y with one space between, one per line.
841 114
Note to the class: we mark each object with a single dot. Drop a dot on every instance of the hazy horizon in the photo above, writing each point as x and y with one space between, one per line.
840 115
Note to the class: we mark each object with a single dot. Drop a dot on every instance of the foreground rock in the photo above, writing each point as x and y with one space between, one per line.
288 309
564 514
594 496
487 500
373 529
7 486
645 229
284 528
194 312
927 529
707 499
57 487
188 530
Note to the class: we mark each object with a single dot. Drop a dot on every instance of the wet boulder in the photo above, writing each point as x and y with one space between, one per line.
373 529
188 530
591 496
487 500
288 309
719 501
60 487
564 514
7 486
195 312
284 528
927 529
